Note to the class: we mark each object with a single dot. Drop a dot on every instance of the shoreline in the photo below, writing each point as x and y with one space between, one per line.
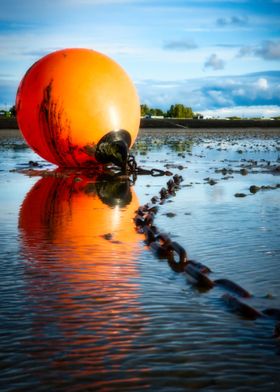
207 123
256 132
187 132
202 132
178 123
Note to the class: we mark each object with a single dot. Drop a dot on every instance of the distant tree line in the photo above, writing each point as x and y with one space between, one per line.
8 113
177 110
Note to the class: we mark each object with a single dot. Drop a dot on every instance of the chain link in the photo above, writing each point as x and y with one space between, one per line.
165 248
134 169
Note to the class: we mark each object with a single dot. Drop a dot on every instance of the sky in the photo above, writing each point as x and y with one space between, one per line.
219 57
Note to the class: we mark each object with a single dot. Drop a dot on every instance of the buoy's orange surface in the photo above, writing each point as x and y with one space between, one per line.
72 99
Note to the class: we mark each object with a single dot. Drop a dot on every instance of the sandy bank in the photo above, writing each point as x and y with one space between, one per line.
167 123
10 133
199 132
188 132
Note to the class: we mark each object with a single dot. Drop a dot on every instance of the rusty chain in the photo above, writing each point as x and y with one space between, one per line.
134 169
165 248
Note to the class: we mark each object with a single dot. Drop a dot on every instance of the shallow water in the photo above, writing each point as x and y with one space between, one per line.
86 305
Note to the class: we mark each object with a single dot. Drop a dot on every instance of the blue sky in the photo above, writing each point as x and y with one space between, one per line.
219 57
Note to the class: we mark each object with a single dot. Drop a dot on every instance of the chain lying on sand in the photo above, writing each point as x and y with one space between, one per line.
165 248
134 170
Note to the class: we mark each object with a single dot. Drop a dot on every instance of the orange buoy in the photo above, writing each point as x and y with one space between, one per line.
77 108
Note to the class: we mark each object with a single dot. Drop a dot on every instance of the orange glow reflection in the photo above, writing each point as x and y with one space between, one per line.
92 218
80 248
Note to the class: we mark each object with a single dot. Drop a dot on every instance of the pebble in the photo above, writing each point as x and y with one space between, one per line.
170 214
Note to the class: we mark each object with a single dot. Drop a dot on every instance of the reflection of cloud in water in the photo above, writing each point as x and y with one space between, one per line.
80 247
216 193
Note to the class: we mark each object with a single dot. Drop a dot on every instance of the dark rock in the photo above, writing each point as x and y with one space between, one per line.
244 172
240 195
108 236
276 169
33 163
170 214
254 188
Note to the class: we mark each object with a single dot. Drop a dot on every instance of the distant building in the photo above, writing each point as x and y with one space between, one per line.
151 116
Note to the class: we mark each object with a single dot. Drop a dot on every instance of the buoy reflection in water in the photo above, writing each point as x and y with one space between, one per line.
80 247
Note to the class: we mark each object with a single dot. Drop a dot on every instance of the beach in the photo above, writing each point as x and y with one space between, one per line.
88 300
7 133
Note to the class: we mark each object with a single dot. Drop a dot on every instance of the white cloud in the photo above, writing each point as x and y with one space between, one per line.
262 84
214 93
214 62
186 44
267 50
244 111
232 21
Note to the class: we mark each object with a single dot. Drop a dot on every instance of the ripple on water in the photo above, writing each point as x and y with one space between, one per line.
82 312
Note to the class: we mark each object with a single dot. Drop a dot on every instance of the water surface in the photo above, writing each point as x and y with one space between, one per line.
86 305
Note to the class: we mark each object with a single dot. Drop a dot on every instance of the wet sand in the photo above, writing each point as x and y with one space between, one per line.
189 132
199 132
10 133
78 301
167 123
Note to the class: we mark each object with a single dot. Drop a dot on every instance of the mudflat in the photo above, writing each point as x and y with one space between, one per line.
188 132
